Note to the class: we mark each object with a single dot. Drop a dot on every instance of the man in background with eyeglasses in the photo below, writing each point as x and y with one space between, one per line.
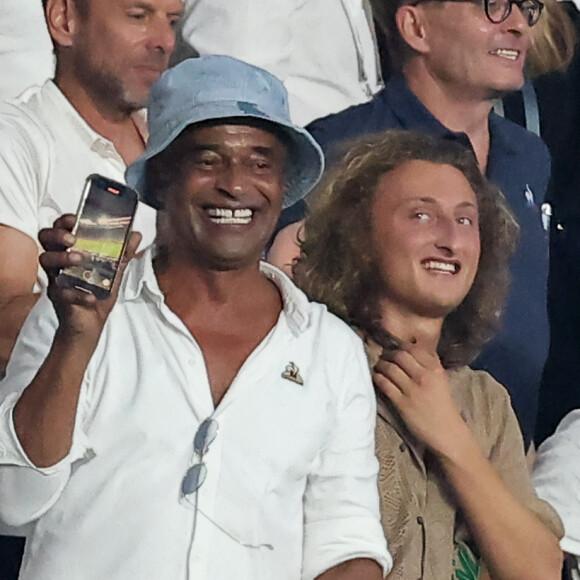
449 60
206 421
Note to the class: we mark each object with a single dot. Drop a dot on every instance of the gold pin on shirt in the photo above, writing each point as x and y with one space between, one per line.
292 373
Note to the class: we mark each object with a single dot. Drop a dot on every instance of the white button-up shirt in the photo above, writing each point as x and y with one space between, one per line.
291 486
324 51
556 477
47 150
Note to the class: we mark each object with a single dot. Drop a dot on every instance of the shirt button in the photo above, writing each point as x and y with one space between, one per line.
420 520
403 447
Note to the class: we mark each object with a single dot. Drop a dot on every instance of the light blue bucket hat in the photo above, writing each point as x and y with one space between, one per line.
221 87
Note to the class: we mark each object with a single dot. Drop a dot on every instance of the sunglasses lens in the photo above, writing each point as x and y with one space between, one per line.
193 479
205 435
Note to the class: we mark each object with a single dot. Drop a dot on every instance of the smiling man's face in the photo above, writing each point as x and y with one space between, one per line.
472 55
227 197
425 230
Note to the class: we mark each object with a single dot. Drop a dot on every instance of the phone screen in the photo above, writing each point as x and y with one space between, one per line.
103 224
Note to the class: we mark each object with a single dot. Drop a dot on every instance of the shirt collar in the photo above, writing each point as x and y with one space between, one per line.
93 139
498 135
412 114
140 279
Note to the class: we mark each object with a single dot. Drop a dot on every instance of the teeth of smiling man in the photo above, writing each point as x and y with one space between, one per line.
507 53
226 216
441 266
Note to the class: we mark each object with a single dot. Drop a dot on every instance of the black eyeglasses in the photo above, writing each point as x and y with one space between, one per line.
498 10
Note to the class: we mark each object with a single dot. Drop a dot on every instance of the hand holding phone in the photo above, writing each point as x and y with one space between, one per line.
81 314
101 231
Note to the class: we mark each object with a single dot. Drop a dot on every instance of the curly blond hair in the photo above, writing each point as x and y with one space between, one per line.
340 267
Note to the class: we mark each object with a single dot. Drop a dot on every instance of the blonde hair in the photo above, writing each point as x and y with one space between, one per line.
554 41
340 268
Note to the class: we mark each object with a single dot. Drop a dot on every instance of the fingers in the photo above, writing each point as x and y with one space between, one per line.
405 360
58 237
56 241
386 386
407 369
71 296
395 375
412 358
131 248
53 262
128 254
425 358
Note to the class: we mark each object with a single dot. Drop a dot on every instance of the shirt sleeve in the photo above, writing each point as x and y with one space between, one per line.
27 491
341 503
508 458
23 173
556 477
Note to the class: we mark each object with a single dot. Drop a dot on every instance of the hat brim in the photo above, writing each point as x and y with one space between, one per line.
305 164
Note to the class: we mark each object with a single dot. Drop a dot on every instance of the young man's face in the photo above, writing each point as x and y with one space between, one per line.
471 55
223 206
121 47
425 230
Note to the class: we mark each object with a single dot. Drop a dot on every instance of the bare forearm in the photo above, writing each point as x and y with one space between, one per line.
359 569
44 417
513 542
13 313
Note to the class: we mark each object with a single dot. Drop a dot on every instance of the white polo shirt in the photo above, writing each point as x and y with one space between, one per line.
47 150
324 51
292 471
556 477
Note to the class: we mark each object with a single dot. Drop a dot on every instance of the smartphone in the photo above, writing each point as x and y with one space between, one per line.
102 228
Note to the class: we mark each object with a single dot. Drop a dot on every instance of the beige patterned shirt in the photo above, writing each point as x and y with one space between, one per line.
421 521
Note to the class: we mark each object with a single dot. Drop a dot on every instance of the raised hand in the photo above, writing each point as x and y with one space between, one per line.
79 312
419 388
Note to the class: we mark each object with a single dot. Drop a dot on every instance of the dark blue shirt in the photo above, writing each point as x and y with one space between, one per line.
519 164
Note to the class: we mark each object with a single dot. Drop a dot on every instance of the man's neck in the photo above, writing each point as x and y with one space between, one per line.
113 124
453 107
191 288
229 313
412 328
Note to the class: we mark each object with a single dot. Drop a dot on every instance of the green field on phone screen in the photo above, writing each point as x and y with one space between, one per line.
106 248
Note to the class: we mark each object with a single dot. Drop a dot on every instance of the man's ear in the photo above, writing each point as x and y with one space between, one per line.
411 24
62 19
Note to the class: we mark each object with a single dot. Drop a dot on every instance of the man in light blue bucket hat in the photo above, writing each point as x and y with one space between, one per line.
218 88
206 421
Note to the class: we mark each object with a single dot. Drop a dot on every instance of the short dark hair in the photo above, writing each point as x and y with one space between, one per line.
340 268
385 17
